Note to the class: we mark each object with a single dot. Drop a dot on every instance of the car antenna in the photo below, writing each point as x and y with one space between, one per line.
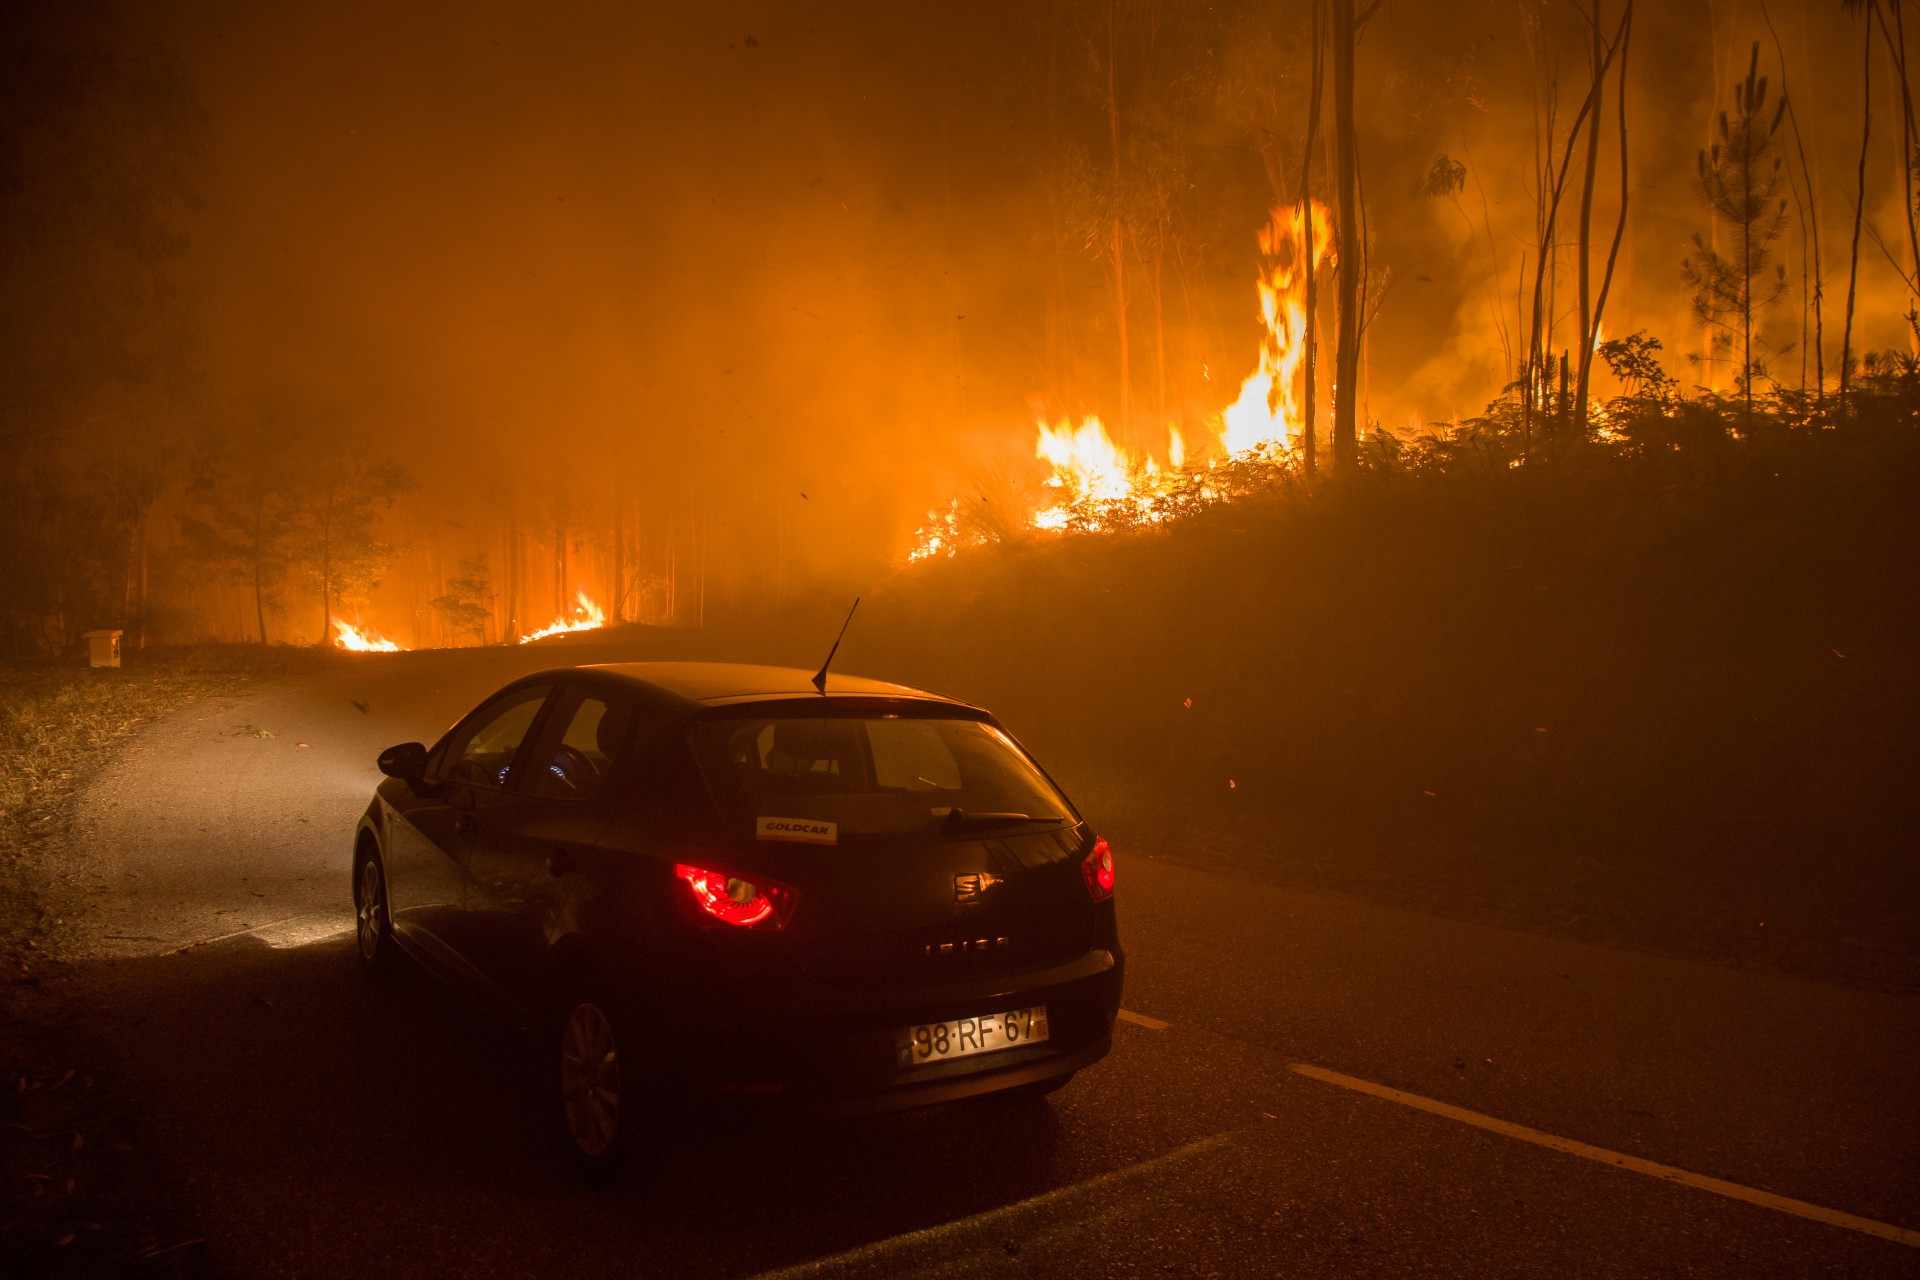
820 676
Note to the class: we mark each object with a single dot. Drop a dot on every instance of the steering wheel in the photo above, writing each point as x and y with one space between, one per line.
573 769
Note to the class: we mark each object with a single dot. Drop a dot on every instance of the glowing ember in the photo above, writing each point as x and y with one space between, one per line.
1094 483
349 637
942 535
588 617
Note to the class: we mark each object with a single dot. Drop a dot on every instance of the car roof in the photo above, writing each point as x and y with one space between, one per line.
721 683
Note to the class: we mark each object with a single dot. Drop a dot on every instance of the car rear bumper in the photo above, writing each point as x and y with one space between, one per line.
836 1048
988 1073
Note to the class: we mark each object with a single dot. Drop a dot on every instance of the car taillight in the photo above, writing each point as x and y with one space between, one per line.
732 900
1097 867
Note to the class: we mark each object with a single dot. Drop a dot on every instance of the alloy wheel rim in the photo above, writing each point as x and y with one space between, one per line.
372 909
590 1079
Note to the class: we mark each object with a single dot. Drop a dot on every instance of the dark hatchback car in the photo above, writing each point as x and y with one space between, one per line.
707 878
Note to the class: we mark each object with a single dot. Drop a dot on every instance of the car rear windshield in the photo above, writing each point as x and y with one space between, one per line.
826 779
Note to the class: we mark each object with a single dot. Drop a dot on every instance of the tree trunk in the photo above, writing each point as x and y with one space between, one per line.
1539 363
414 610
1347 353
259 589
1897 43
1308 405
1746 273
140 613
1056 268
515 574
1810 297
1619 225
1588 320
1859 208
129 570
1117 246
617 607
326 571
1160 336
1714 44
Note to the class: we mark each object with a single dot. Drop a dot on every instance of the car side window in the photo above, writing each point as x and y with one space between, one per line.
581 745
481 753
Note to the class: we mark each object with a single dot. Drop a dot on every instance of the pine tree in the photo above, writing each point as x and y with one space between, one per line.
1740 176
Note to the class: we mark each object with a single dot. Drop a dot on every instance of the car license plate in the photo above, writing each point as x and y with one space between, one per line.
927 1042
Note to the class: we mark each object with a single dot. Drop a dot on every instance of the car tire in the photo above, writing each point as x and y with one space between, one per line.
598 1090
373 921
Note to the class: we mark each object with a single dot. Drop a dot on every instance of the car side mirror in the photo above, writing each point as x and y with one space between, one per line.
408 762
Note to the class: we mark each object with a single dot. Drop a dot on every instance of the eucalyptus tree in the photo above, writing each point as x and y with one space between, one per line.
1347 236
1859 200
1590 318
1812 282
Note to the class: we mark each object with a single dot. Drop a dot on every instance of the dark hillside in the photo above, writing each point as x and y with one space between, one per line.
1663 696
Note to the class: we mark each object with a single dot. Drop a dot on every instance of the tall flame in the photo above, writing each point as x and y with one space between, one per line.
1093 481
349 637
588 616
1272 403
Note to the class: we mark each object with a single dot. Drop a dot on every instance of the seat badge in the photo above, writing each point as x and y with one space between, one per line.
973 886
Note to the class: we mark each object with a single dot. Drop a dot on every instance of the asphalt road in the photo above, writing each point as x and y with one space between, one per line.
1246 1124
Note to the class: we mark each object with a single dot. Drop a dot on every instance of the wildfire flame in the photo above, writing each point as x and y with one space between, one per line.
588 617
349 637
1271 406
941 535
1089 474
1088 469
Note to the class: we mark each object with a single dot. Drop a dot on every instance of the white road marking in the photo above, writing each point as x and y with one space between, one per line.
1619 1160
1142 1020
879 1250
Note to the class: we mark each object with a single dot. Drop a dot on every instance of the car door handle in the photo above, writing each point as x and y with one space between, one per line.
559 862
463 824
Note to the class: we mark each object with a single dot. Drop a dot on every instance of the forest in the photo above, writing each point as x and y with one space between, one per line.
280 375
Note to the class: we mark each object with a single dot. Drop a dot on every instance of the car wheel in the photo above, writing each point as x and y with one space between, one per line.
596 1086
373 923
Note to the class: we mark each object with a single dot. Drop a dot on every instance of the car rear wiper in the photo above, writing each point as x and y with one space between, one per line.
958 817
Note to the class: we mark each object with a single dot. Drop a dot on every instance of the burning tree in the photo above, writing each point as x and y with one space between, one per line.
1095 484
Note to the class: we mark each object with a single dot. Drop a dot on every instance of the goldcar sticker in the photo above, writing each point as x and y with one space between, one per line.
799 830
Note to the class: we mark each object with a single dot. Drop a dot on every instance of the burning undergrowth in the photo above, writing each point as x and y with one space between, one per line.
1095 484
